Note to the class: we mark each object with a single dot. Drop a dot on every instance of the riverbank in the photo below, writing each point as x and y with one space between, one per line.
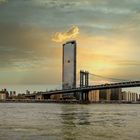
67 101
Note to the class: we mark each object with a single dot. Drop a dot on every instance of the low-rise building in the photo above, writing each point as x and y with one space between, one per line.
4 94
12 95
39 96
56 97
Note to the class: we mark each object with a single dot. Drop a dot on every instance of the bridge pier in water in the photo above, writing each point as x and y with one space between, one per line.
84 82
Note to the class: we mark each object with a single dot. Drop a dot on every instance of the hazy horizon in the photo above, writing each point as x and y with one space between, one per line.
37 88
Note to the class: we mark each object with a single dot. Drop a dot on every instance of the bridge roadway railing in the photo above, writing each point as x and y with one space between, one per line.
96 87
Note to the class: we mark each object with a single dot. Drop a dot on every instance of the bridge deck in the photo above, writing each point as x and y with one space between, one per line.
96 87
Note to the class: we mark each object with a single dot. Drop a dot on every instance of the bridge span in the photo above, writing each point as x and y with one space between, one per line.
95 87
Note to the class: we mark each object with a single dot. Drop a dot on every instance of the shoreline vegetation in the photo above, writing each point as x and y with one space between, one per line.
67 101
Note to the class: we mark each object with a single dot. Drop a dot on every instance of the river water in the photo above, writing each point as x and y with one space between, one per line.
33 121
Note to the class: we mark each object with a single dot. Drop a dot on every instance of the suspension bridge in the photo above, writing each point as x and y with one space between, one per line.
85 87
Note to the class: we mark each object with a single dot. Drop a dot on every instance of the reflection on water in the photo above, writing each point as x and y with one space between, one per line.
69 122
72 118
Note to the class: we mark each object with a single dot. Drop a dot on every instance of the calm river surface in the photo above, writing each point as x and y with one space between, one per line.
32 121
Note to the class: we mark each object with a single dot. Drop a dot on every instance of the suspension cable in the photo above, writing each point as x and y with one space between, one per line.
115 79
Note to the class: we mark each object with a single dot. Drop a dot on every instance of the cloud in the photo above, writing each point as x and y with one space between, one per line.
59 3
25 53
129 63
25 44
106 10
61 36
3 1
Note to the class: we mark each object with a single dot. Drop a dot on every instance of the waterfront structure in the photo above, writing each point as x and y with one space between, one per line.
94 96
116 94
56 97
93 87
39 96
129 96
111 94
4 94
69 66
124 96
12 94
105 94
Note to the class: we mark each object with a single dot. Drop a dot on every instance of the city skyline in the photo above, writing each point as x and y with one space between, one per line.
107 35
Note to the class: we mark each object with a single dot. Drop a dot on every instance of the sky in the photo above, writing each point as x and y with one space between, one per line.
31 31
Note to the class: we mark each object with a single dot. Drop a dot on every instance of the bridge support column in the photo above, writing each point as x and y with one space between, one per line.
86 96
81 78
82 96
86 78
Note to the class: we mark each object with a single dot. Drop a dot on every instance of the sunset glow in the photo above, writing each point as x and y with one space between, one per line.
107 35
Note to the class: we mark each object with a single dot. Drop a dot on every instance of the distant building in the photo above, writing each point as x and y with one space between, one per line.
129 96
94 95
105 94
4 94
138 97
124 96
12 95
27 92
39 96
56 97
116 94
69 67
110 94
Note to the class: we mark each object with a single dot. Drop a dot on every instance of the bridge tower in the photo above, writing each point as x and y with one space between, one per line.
84 82
81 78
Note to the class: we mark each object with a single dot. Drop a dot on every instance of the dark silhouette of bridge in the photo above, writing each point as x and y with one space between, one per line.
95 87
85 88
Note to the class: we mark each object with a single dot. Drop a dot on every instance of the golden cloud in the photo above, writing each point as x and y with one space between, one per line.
62 36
